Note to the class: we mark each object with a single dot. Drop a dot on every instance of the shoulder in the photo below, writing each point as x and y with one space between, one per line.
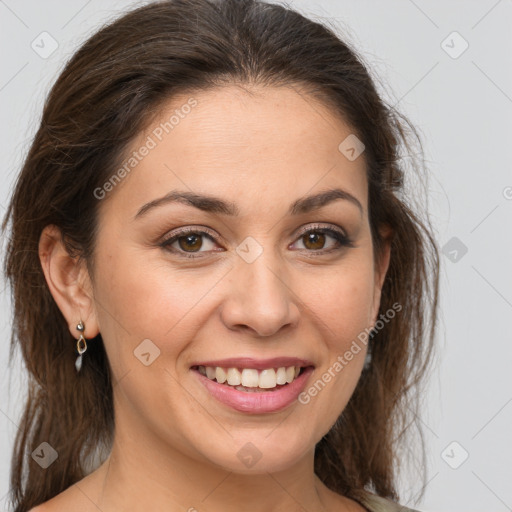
78 497
374 503
45 507
68 499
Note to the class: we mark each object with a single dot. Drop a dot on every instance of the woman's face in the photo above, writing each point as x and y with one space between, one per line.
269 279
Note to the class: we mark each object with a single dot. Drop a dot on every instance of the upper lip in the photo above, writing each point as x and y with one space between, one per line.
257 364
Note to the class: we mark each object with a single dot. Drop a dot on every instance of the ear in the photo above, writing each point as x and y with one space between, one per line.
381 268
69 282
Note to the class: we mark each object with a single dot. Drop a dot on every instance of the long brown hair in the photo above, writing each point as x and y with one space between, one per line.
107 93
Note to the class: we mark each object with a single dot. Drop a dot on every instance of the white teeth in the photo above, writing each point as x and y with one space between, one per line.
281 376
220 374
234 377
267 379
251 378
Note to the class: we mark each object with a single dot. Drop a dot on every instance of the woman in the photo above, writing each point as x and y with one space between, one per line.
222 300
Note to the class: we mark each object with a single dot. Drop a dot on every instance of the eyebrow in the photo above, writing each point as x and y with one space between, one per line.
216 205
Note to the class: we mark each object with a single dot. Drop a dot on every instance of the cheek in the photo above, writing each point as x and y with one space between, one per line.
342 312
143 298
344 300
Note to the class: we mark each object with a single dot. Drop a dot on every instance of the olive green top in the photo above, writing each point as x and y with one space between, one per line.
374 503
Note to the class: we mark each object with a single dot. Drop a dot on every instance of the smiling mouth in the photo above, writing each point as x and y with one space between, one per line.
251 380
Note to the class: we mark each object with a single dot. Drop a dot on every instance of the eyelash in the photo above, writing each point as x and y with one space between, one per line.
341 239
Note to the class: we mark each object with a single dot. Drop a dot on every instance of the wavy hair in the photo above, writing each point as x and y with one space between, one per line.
110 89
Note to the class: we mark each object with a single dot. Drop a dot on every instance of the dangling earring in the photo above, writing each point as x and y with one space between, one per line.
81 346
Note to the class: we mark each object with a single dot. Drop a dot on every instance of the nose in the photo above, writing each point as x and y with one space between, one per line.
258 299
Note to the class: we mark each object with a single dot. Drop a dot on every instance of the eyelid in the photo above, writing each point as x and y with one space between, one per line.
204 231
314 226
189 229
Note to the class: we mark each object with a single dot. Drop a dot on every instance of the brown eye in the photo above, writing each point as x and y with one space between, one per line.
190 242
314 240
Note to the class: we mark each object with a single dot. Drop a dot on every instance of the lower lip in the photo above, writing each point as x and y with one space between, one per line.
257 402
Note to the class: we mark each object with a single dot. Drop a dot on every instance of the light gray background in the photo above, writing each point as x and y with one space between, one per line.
462 107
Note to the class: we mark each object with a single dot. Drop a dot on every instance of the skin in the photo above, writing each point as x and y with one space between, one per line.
175 446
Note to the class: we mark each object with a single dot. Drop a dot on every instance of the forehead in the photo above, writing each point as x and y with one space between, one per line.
245 143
